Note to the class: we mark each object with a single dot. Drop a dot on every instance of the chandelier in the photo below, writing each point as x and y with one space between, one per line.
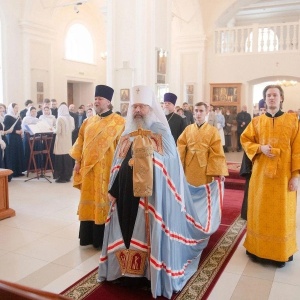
286 83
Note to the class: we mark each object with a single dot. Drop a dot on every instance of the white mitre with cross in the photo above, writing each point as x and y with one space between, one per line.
141 94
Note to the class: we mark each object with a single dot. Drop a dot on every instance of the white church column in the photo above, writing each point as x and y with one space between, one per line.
138 29
188 66
37 61
188 52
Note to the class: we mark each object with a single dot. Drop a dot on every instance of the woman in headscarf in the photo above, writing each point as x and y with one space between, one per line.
63 166
4 161
51 120
48 117
90 112
29 119
12 123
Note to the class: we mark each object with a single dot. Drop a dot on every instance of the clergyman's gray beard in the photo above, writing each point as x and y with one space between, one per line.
166 111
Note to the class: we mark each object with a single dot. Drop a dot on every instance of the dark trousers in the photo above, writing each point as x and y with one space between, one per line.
63 167
91 234
239 146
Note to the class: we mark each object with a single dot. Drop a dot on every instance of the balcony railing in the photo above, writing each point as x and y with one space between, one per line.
258 38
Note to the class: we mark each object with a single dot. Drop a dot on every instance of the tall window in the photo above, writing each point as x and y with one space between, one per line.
1 69
267 41
79 44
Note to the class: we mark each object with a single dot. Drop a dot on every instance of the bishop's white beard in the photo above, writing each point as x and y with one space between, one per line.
137 123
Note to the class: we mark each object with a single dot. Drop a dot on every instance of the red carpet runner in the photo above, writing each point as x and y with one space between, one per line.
234 181
214 259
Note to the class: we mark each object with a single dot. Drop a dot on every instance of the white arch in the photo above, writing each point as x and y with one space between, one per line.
79 44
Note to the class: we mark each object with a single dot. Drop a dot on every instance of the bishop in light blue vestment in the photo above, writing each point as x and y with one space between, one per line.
181 220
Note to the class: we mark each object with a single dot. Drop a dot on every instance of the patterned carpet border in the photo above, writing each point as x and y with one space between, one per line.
84 287
217 259
198 284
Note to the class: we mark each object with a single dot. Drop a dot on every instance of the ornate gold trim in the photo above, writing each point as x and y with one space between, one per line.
132 261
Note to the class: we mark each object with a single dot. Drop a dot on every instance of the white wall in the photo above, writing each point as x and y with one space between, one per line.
10 12
187 55
33 39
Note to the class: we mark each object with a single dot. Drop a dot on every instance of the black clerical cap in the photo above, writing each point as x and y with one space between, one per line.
169 97
104 91
262 103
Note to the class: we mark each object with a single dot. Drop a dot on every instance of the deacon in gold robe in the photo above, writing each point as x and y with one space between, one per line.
272 142
201 151
93 152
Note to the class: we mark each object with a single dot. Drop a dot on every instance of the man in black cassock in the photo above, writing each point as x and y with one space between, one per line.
177 123
243 118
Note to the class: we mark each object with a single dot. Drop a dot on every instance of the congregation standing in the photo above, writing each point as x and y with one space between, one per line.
15 133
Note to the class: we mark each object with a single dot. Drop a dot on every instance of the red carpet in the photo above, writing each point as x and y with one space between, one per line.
219 250
214 258
234 180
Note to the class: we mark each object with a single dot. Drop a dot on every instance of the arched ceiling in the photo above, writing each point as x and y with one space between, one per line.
244 12
241 12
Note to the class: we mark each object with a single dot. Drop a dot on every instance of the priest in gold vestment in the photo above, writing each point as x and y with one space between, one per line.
93 152
201 151
272 142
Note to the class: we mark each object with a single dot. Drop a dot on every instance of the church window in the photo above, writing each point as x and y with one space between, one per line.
79 44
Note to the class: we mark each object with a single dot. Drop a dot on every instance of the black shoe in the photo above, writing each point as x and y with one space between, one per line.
60 181
256 259
252 256
279 264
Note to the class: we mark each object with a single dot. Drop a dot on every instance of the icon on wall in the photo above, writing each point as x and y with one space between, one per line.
124 109
125 94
